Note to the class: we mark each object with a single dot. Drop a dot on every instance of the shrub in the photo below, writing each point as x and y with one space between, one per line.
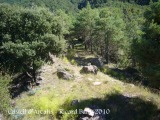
65 59
45 104
70 54
53 103
27 36
73 62
4 95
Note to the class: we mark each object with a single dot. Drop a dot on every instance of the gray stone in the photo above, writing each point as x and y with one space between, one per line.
74 102
62 73
39 78
91 114
97 61
89 111
89 69
1 116
90 79
97 83
52 57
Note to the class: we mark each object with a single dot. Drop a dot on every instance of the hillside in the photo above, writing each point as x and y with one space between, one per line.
61 62
69 5
124 100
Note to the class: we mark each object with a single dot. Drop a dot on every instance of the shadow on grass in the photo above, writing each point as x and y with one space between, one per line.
123 108
130 75
127 75
20 84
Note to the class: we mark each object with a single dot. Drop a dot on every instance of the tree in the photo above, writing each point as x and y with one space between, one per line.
84 26
26 39
62 23
134 19
148 52
109 32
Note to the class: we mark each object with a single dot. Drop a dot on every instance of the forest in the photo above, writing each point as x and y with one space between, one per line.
39 37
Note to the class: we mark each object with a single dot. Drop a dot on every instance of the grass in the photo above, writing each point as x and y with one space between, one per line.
55 94
4 95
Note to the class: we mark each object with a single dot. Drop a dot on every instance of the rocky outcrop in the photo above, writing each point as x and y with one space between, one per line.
97 61
89 69
94 61
53 58
63 74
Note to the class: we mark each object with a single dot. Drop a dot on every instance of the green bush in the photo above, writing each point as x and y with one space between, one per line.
4 95
28 35
53 103
45 103
148 48
70 54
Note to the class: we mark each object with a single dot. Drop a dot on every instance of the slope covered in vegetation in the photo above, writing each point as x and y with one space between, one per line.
101 90
70 5
122 36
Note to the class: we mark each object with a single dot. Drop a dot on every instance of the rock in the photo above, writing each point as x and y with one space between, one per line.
97 61
92 114
39 78
13 104
98 117
132 85
89 111
97 83
84 118
89 69
129 96
74 102
1 116
62 73
90 79
52 57
31 92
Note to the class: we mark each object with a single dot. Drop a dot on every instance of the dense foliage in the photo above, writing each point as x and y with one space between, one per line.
4 95
27 36
122 33
111 31
125 34
67 5
148 52
71 5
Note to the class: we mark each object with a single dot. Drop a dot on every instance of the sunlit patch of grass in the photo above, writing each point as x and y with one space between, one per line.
44 104
65 60
73 62
118 89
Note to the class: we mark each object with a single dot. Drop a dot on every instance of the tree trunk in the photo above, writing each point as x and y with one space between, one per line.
133 62
72 44
91 47
85 45
107 48
34 75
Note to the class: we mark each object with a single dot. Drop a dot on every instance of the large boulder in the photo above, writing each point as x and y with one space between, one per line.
89 69
63 74
96 61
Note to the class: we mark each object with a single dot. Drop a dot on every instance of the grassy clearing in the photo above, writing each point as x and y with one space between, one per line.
55 94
